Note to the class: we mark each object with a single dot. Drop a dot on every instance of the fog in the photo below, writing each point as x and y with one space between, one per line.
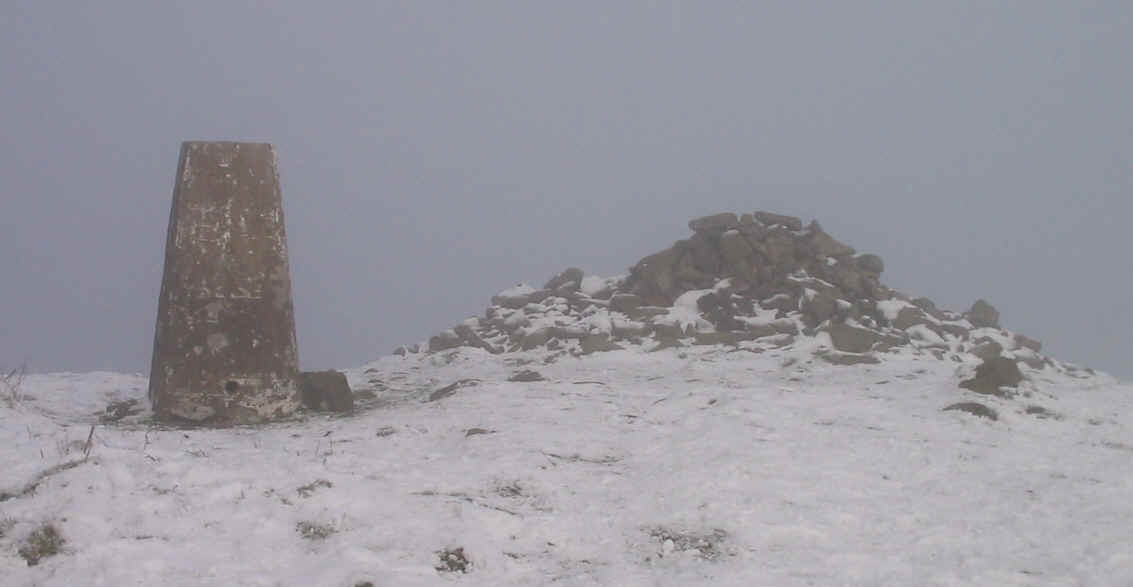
432 154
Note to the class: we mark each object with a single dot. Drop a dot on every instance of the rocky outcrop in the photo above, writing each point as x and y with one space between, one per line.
757 279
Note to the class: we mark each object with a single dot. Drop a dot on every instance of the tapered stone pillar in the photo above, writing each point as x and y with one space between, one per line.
224 350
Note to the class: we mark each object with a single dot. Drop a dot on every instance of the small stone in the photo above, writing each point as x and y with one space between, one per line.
975 409
598 343
527 375
846 359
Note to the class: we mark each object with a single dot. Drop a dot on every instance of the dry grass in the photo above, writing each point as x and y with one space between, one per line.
44 542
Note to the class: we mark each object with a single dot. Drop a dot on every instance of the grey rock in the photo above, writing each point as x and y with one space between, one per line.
1028 343
954 329
823 245
847 359
573 332
770 219
728 338
705 253
625 303
444 341
716 223
598 343
779 248
853 339
975 409
451 389
633 329
570 276
525 376
993 375
781 301
515 301
870 264
665 332
983 315
909 317
326 391
535 338
820 308
987 349
719 310
468 337
857 339
653 277
737 254
927 305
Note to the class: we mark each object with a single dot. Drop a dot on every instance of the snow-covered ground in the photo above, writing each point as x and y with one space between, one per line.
692 466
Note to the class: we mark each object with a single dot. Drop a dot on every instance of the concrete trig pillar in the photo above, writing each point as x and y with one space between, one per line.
224 350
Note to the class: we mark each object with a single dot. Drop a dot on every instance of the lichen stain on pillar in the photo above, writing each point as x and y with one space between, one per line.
224 349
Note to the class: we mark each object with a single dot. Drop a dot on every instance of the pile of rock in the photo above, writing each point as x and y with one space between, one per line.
758 279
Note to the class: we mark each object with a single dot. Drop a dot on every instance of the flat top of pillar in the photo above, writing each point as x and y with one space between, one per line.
225 145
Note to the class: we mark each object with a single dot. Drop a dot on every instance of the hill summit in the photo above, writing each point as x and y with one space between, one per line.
753 282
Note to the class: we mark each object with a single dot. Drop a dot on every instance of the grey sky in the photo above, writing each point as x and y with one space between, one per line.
434 153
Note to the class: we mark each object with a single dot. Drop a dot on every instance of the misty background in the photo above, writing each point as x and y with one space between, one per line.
432 154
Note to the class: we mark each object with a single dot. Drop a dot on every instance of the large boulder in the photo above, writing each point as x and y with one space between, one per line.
856 339
987 349
870 264
993 375
1028 343
779 249
517 297
705 253
326 391
983 315
444 341
819 308
824 245
908 317
565 279
714 224
737 255
653 277
625 303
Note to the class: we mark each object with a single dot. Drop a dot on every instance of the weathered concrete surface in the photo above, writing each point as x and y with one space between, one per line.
224 349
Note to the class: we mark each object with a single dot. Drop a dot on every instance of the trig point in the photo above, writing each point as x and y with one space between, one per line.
224 350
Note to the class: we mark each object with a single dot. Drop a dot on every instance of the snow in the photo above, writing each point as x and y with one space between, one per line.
521 290
693 466
892 308
592 284
684 312
926 336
